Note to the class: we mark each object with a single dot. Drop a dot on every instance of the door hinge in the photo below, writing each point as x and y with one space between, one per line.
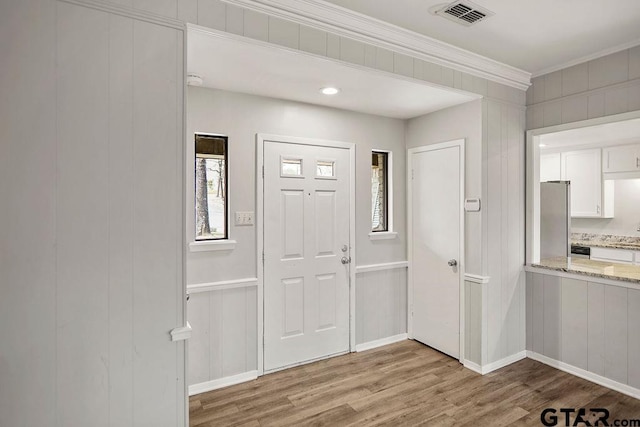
263 171
412 173
263 257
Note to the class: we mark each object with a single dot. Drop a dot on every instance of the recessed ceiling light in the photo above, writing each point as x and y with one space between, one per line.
329 90
542 145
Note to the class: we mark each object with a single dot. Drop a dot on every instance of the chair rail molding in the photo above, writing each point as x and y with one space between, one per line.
475 278
223 284
362 28
383 266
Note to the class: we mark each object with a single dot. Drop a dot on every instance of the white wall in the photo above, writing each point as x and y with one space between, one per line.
626 209
241 117
91 227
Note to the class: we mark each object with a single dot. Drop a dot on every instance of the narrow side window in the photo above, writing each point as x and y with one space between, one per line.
211 187
379 191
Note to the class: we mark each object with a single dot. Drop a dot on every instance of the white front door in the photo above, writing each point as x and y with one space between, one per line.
436 201
306 235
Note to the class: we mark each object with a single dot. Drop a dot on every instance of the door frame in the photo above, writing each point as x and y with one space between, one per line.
461 262
261 138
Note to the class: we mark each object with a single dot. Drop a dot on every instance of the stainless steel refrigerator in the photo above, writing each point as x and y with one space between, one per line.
555 219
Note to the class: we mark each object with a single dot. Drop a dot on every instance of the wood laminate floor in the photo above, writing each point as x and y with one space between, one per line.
404 384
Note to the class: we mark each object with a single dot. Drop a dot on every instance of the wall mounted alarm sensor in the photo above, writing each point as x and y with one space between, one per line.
472 205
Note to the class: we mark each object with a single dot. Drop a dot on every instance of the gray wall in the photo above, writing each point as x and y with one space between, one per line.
588 325
92 229
601 87
503 230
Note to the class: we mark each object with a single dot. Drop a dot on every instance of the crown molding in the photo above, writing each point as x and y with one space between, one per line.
356 26
587 58
128 12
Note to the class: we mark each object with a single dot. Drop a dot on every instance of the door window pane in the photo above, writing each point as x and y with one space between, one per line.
325 168
291 167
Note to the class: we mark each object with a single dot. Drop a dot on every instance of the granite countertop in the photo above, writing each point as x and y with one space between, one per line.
606 241
587 267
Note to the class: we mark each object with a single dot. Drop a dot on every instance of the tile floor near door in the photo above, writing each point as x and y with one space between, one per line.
404 384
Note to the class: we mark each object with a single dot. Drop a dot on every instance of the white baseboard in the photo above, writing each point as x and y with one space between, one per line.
490 367
379 343
473 366
222 382
589 376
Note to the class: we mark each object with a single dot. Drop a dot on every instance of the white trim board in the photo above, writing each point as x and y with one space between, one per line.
356 26
221 285
181 334
222 382
475 278
494 366
128 12
589 376
382 266
587 58
381 342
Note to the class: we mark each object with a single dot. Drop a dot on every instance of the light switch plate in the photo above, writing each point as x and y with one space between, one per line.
244 218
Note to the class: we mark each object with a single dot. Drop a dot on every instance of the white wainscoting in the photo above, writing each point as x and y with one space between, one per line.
223 316
223 345
381 303
585 328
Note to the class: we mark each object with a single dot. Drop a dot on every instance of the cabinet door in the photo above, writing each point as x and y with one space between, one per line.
584 170
549 167
625 158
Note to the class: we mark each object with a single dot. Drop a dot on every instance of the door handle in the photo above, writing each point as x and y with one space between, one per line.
452 263
345 260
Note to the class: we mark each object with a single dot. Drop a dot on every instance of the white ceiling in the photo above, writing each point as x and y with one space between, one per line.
533 35
604 134
248 66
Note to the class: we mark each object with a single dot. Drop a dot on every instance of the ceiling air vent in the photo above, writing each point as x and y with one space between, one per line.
464 12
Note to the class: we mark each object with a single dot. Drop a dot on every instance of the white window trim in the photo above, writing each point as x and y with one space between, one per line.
212 245
389 234
227 244
382 235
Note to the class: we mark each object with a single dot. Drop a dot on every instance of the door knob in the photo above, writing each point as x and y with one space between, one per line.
452 263
345 260
344 248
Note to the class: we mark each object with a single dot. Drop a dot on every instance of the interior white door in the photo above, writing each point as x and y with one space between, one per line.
306 253
436 213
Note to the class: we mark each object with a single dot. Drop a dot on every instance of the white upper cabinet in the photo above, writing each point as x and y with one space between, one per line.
590 198
549 167
622 159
